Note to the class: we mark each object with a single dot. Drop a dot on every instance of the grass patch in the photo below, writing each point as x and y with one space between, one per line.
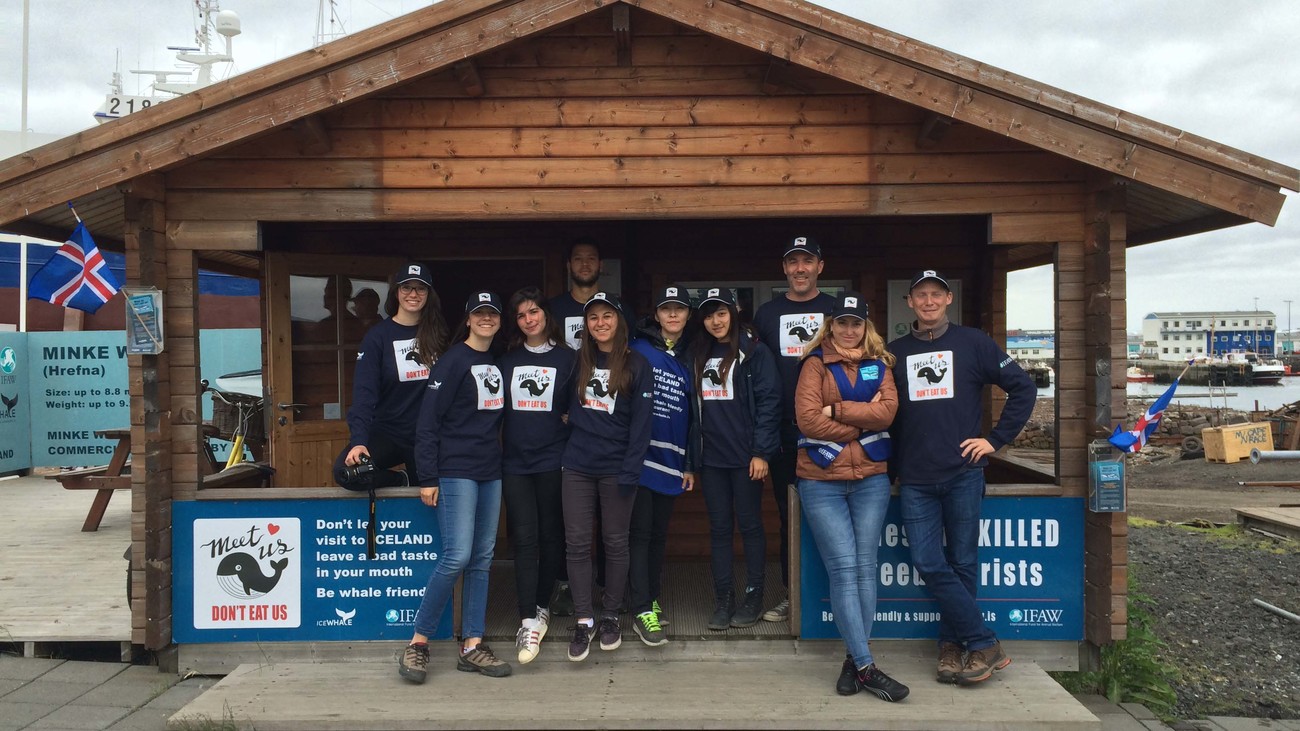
1131 669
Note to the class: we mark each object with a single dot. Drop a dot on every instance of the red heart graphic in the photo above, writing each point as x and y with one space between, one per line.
272 528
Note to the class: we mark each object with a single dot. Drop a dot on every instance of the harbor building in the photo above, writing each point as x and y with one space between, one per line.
1184 335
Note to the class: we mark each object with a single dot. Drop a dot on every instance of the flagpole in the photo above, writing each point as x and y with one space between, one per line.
22 284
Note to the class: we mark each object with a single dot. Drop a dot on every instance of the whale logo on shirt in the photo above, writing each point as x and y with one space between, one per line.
930 375
493 383
413 355
536 386
805 334
598 387
246 570
713 375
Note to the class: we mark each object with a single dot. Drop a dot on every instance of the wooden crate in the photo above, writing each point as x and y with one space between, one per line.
1233 443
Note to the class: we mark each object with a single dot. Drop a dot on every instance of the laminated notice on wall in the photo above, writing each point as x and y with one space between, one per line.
144 322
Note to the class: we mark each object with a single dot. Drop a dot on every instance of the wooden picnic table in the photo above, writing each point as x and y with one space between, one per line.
116 475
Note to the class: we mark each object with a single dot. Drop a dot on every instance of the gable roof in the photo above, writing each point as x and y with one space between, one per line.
1199 184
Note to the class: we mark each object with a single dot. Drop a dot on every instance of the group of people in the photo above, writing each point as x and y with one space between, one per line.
586 421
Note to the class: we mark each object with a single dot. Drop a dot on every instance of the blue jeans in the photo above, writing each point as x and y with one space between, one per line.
467 519
846 517
951 573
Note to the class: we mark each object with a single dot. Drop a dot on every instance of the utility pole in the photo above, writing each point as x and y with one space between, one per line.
1290 334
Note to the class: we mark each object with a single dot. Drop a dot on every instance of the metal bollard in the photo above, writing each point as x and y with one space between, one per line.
1257 456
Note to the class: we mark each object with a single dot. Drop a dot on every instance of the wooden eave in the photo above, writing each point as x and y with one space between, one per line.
1187 182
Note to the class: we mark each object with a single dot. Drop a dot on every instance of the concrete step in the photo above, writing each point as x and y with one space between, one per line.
685 685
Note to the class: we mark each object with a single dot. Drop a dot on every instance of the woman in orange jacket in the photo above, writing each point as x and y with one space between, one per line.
844 401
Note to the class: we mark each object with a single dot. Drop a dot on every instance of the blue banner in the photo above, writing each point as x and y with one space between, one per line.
15 406
1030 575
297 570
77 384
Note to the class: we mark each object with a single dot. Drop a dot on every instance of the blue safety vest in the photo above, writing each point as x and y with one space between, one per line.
876 444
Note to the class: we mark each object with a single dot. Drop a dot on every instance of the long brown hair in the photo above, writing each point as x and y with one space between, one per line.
873 346
702 345
514 336
431 331
620 375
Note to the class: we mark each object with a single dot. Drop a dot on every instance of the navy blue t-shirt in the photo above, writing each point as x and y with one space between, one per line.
387 385
786 327
724 413
538 388
458 434
568 312
611 432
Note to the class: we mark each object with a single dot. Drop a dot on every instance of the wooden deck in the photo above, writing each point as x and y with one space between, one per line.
61 584
1283 521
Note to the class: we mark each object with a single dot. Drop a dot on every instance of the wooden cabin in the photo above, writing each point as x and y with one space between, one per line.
690 139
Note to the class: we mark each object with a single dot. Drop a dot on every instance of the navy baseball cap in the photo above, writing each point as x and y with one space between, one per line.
928 274
672 294
604 298
719 294
413 272
482 299
804 244
850 304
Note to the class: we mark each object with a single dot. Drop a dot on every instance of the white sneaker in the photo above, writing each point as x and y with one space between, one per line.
544 619
528 640
778 613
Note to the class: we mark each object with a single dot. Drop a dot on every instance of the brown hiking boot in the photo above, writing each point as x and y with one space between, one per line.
481 660
950 662
980 664
413 662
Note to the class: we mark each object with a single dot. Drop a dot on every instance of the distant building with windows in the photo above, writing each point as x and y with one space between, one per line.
1183 335
1030 347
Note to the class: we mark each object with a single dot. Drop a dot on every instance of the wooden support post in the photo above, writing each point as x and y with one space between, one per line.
623 33
1105 534
145 238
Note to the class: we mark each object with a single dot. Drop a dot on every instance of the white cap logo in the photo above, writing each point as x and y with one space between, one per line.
715 292
484 296
671 291
930 273
801 241
413 269
599 296
850 301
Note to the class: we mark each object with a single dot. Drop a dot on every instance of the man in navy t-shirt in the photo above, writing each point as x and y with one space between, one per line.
941 370
584 273
786 325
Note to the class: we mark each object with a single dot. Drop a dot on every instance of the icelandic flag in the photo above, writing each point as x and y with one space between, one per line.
1135 439
76 276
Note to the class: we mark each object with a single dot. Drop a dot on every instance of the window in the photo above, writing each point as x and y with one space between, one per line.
1166 324
1177 350
1177 323
1234 323
1223 323
1164 350
1163 336
1200 350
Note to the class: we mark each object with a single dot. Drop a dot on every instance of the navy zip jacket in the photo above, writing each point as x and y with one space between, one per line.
665 460
460 419
610 432
758 384
538 388
387 385
940 401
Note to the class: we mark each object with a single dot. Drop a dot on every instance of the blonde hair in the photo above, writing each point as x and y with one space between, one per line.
873 345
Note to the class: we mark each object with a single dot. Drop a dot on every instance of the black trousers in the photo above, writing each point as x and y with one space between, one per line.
535 524
647 544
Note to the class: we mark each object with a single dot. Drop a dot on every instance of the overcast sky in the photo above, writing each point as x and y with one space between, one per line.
1223 69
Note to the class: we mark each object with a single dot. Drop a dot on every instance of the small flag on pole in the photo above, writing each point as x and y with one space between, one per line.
76 276
1133 440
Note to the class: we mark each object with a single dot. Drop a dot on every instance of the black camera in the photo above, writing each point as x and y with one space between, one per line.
362 471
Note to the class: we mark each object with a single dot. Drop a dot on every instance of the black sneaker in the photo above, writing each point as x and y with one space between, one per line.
481 660
750 610
723 608
874 679
581 642
611 635
847 684
659 613
414 662
562 602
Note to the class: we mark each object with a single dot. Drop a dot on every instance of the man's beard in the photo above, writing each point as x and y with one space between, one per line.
592 280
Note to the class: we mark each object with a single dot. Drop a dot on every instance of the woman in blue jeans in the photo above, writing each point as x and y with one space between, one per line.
458 459
844 401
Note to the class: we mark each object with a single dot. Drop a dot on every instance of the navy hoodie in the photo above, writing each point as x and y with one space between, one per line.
538 388
460 419
611 432
387 385
941 401
748 403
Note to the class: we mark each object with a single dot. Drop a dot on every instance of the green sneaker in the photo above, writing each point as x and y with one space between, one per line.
646 626
659 612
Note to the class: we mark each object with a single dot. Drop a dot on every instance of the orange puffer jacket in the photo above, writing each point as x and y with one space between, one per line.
817 389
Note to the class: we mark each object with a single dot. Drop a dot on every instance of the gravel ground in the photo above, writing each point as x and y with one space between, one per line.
1233 658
